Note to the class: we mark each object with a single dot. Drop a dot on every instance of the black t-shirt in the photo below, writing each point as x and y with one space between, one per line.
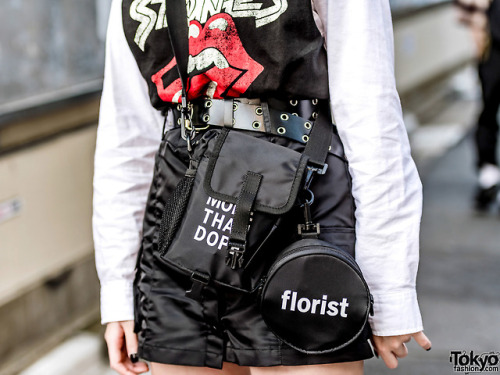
237 48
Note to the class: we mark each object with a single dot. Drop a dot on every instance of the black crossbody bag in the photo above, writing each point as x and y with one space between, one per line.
217 224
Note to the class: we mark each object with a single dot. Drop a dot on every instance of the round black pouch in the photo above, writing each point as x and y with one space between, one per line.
315 298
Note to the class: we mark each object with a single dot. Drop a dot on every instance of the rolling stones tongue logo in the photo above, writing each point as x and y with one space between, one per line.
218 64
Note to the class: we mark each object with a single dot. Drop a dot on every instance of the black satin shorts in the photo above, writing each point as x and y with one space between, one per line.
226 325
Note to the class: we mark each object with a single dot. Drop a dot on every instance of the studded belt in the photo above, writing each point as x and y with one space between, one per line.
291 119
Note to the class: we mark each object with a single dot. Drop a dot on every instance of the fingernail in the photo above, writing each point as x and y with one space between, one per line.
429 349
134 357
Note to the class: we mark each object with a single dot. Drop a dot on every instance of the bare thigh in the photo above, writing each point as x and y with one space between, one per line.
227 369
346 368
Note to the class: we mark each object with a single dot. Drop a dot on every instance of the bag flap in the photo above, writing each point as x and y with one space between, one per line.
236 153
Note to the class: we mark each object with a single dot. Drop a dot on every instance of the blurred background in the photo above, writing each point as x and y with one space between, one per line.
51 60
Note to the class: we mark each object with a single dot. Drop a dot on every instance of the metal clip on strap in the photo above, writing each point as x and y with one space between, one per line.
317 150
311 171
309 229
200 281
184 113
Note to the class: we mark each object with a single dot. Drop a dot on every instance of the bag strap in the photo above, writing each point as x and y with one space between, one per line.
179 37
242 219
177 27
319 142
317 149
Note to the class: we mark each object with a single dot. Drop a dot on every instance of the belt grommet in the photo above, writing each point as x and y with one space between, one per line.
256 125
234 121
179 107
208 103
295 114
308 125
294 102
284 117
259 111
315 101
281 130
305 138
314 115
329 148
206 117
179 121
235 106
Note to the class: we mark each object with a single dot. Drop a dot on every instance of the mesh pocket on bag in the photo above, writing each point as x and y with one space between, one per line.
175 207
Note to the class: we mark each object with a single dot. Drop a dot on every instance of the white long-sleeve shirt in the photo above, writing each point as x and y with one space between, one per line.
385 183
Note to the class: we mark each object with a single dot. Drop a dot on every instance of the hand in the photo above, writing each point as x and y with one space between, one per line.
390 348
122 341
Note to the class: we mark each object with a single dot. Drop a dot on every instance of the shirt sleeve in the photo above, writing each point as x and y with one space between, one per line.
385 183
128 136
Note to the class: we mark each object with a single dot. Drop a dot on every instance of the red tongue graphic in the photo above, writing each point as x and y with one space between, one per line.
172 93
242 70
219 33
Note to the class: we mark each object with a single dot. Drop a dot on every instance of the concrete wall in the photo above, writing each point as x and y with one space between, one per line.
48 282
428 45
53 183
48 47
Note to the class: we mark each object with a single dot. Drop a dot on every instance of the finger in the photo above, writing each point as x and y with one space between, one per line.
132 368
122 369
401 351
131 344
135 368
389 358
422 340
115 341
140 367
130 337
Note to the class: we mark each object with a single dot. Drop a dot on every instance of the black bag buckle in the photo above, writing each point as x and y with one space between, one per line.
234 257
311 171
309 228
200 281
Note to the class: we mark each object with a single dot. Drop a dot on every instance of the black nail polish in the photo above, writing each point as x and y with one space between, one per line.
134 357
428 349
